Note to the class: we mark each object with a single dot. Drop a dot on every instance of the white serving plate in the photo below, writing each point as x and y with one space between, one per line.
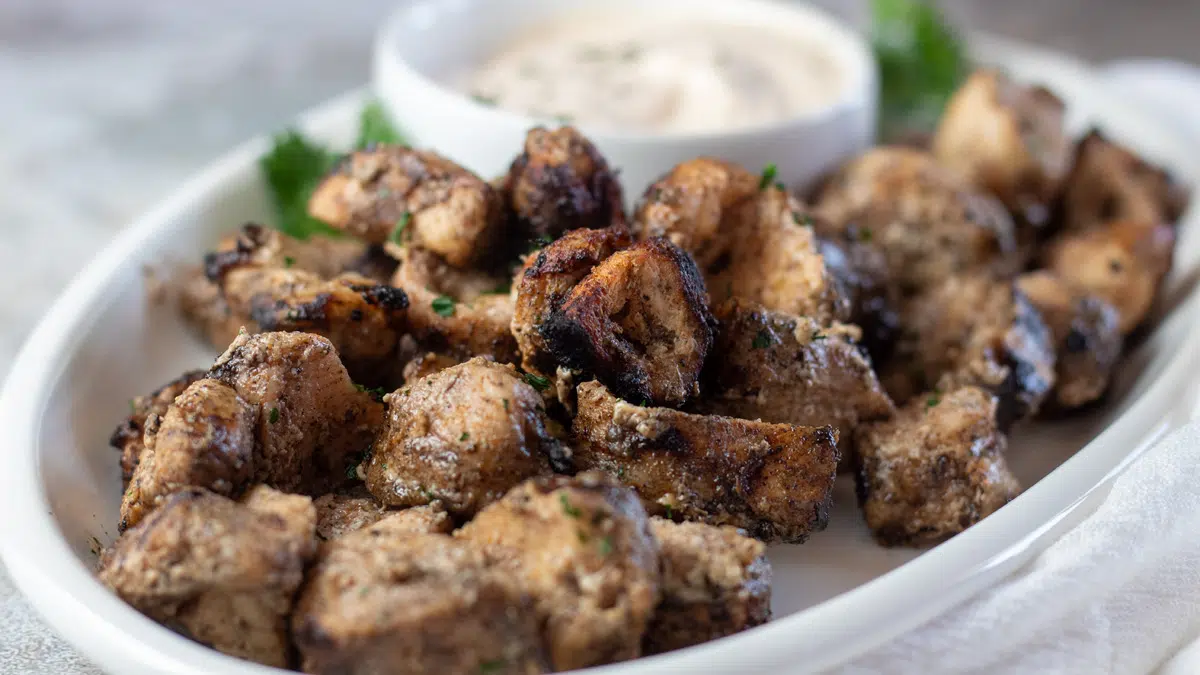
835 597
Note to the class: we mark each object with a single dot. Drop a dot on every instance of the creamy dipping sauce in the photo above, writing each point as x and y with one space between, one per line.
659 74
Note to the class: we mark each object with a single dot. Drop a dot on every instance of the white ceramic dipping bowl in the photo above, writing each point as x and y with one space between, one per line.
425 44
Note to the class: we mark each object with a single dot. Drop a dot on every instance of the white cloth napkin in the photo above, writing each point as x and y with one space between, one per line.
1121 592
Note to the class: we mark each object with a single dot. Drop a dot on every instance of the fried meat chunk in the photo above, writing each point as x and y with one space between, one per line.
204 439
417 197
312 419
220 572
582 548
387 600
459 313
545 281
1122 262
773 480
129 436
561 182
464 436
1110 182
929 223
861 272
776 367
639 322
426 364
934 469
1007 139
976 330
1086 333
203 306
715 582
254 245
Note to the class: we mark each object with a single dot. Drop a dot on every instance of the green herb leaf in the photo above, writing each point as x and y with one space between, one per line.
571 511
768 176
374 126
443 305
818 335
670 511
865 234
464 436
605 546
802 219
763 339
505 405
933 400
288 261
537 381
921 62
292 169
132 406
493 666
398 233
273 416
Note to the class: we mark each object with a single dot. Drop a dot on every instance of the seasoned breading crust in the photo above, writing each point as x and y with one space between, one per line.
462 314
933 470
776 367
689 204
715 582
464 436
416 197
561 182
1007 139
545 281
129 436
582 548
204 439
980 331
639 322
220 572
1122 262
773 480
312 420
929 223
381 600
1086 334
1110 182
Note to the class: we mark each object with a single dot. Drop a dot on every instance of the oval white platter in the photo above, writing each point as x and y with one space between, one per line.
835 597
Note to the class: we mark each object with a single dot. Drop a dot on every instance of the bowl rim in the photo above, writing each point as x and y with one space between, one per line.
71 599
391 68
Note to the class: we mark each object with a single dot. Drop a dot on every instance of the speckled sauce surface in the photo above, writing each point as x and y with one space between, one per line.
108 106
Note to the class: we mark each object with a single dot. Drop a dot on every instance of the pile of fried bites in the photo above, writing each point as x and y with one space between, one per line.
504 428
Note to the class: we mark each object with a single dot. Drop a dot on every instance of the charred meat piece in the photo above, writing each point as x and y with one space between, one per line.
205 439
715 582
427 364
129 436
413 197
257 246
1110 182
689 204
340 513
203 306
312 419
1086 334
1007 139
458 313
384 600
464 436
582 548
773 480
1122 262
780 368
861 273
981 331
639 323
929 223
546 280
933 470
560 182
220 572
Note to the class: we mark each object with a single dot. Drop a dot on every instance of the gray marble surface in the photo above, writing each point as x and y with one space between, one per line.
105 105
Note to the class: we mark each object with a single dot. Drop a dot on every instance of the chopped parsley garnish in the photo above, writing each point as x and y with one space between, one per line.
670 511
443 305
273 416
374 127
288 261
818 335
397 236
762 339
505 405
464 436
605 545
356 461
780 186
865 234
377 392
537 381
483 100
802 219
620 472
768 176
493 666
571 511
582 536
933 400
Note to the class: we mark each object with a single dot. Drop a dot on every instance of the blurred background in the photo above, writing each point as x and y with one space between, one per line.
106 105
